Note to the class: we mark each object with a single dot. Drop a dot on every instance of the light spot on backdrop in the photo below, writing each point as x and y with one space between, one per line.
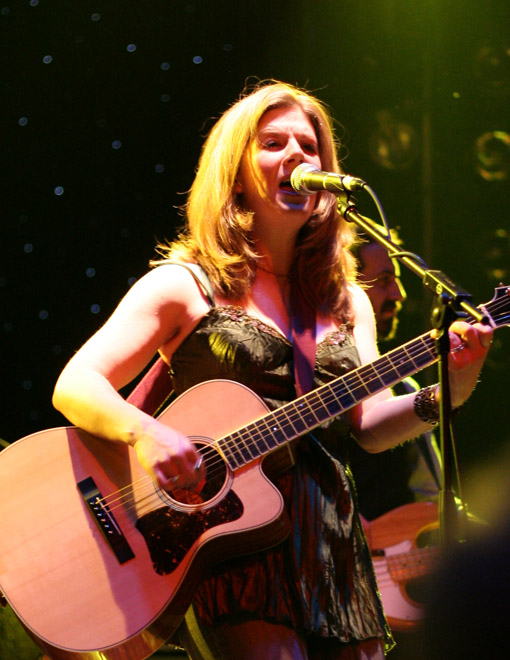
492 153
394 143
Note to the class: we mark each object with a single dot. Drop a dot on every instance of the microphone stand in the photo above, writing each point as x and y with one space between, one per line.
450 302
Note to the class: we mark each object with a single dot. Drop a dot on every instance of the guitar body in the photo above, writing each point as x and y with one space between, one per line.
73 594
393 539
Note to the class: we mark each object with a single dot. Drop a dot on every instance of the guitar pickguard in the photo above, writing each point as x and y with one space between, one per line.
169 534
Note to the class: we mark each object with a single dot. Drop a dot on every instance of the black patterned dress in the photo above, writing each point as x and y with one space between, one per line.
320 579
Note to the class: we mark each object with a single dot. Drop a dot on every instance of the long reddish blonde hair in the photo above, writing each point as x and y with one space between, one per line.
218 229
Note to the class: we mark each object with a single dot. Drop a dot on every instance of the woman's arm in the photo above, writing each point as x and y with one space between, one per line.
384 420
156 314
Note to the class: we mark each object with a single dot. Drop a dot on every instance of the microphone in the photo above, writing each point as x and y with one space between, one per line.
307 179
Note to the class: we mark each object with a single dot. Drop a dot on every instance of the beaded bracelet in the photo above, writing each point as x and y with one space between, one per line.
425 405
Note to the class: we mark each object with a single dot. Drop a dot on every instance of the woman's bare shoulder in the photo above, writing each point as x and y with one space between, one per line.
167 284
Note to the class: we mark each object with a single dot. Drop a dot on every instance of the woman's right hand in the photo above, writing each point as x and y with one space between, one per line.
168 457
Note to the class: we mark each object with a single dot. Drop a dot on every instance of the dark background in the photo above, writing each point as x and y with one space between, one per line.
104 107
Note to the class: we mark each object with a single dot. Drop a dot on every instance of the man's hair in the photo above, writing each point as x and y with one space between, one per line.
363 239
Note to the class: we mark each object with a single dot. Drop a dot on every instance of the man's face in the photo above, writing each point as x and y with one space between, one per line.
386 293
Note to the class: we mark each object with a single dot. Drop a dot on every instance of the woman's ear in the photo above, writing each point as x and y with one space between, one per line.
238 186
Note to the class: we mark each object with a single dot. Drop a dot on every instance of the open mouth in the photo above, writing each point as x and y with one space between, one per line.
287 187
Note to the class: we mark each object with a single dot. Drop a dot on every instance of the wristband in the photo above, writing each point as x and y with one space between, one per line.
425 405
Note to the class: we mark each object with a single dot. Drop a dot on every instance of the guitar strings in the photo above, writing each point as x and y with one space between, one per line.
131 495
414 563
148 481
352 381
117 499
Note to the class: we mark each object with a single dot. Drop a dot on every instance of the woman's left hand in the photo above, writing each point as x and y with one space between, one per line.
469 345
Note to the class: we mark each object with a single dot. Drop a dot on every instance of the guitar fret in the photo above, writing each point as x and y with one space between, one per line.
231 450
414 354
389 375
267 434
320 411
414 564
243 446
425 354
286 423
304 416
401 364
258 439
332 404
344 397
417 355
237 447
372 379
273 435
295 418
306 412
408 368
357 388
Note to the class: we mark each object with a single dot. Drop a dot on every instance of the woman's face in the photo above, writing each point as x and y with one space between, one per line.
285 138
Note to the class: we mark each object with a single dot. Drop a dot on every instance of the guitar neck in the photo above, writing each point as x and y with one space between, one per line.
292 420
416 563
314 408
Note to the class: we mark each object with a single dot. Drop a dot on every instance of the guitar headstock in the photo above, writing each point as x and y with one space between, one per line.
498 309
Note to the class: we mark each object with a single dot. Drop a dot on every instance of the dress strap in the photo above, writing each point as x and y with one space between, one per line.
154 389
201 279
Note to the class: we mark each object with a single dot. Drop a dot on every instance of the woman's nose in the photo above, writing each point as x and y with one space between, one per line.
295 152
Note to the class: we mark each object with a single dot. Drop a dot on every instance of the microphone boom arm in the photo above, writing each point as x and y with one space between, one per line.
449 297
435 280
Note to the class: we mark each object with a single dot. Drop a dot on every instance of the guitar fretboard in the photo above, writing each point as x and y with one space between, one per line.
414 564
293 419
309 411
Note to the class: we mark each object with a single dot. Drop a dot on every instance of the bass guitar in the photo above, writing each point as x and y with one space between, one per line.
400 559
97 562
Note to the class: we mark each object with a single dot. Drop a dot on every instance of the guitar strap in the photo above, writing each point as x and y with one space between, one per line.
303 341
153 390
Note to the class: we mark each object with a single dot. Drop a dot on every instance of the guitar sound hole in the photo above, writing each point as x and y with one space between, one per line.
216 477
170 531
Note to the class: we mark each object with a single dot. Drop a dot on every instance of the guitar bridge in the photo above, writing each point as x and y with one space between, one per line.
105 520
